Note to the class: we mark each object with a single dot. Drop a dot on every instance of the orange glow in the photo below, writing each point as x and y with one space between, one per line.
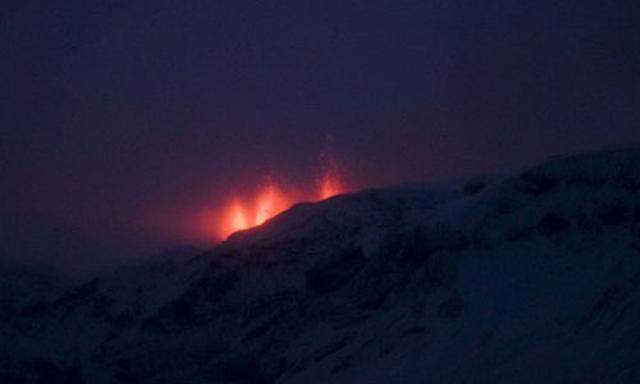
269 202
330 186
330 183
238 218
272 200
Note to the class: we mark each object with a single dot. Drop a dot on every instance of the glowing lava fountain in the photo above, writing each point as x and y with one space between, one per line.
330 185
270 202
238 217
273 200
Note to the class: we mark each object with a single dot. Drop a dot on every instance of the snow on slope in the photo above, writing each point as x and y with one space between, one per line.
529 278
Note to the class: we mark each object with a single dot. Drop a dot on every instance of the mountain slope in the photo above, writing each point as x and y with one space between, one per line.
527 278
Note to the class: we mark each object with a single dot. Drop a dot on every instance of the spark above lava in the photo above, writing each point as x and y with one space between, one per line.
272 200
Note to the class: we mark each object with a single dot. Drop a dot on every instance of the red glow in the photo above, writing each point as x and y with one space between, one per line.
237 217
330 181
272 200
330 185
268 203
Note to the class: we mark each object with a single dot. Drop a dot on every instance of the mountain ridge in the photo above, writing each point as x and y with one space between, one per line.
491 279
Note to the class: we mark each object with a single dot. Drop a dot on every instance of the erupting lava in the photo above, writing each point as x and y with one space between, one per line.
272 200
330 184
238 217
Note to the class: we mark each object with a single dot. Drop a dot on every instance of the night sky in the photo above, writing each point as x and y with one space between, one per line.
123 122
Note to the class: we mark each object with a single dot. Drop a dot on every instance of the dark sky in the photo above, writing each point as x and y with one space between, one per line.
120 121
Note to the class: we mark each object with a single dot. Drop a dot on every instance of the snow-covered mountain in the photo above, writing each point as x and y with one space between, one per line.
527 278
